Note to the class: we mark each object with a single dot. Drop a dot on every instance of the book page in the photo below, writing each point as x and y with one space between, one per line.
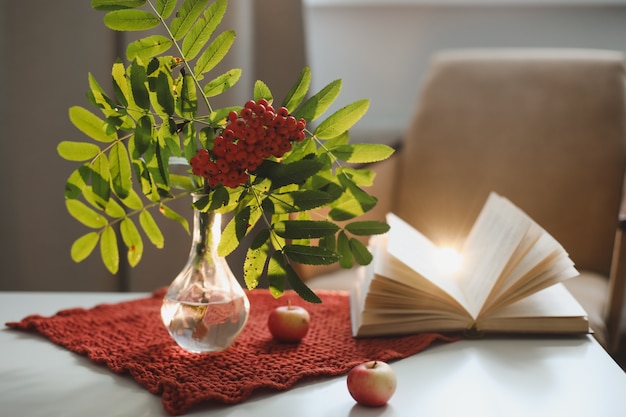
388 296
418 253
550 310
492 242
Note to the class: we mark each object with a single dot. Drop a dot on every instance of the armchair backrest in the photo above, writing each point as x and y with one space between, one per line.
544 128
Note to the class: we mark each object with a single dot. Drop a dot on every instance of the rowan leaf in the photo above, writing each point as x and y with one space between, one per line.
148 47
298 91
315 106
310 255
151 229
90 124
361 153
120 170
130 20
222 83
133 241
214 53
342 120
367 227
305 229
361 254
77 151
84 246
85 215
186 16
109 250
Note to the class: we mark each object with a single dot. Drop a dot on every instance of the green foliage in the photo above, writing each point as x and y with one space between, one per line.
138 141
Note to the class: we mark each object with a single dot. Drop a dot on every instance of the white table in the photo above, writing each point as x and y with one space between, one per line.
552 377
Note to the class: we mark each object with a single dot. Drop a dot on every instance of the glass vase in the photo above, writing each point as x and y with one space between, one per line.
205 308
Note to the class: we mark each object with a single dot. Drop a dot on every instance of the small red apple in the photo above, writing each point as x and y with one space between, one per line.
372 383
288 323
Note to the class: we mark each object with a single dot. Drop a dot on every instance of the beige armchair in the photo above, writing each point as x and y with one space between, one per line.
544 127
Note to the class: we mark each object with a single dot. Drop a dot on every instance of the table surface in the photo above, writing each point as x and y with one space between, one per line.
484 377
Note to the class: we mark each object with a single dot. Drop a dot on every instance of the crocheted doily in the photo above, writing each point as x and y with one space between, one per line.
128 337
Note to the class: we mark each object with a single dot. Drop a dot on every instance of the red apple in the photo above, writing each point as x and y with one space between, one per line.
372 383
288 323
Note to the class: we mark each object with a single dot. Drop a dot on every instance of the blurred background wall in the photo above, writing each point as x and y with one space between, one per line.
380 49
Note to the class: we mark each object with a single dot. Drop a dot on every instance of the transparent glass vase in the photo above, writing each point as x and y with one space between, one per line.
205 307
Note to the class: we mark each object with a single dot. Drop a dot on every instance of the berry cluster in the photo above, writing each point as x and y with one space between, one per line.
250 136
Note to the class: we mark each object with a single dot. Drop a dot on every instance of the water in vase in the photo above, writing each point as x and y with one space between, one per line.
205 327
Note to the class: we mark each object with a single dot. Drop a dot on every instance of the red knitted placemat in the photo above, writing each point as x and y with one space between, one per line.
129 337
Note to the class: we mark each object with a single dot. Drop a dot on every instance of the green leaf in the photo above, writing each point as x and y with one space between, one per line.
104 5
343 247
120 170
156 162
367 227
163 88
151 229
120 84
281 174
219 116
132 240
84 246
213 201
77 181
310 255
190 144
342 120
90 124
361 177
361 153
108 250
320 102
100 178
85 215
237 228
186 15
299 200
296 282
222 83
147 48
77 151
165 7
276 275
203 29
298 91
256 258
361 254
181 182
99 98
114 209
172 215
133 201
305 229
353 203
214 54
130 20
138 85
261 90
143 135
189 99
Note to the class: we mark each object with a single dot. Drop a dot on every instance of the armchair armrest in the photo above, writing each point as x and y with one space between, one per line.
617 280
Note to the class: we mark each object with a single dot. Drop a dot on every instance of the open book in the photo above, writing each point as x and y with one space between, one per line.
509 280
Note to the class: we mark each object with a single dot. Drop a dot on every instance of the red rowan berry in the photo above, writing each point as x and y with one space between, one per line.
246 113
